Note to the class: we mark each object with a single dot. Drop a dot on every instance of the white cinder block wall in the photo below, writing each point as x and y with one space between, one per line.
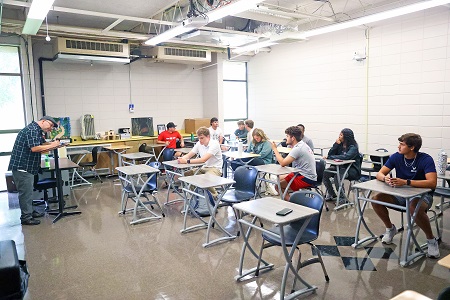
166 92
404 84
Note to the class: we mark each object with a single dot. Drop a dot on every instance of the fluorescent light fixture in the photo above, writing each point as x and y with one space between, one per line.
254 46
376 17
193 23
38 11
168 34
232 9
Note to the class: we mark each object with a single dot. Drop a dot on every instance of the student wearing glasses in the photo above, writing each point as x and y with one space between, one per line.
25 163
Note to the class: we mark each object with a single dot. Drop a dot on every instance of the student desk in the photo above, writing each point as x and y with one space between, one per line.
153 146
132 175
204 182
115 149
410 295
277 170
135 157
238 156
183 150
81 153
321 149
402 191
264 209
173 168
340 163
285 150
444 178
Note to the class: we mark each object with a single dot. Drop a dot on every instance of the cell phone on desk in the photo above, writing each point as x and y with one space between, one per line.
284 212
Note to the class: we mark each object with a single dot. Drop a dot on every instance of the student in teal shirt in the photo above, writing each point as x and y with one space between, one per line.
260 145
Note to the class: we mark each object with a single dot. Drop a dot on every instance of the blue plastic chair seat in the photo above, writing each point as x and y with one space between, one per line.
46 183
290 234
150 187
235 196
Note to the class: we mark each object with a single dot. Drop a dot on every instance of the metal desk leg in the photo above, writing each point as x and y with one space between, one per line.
406 258
267 266
340 184
361 210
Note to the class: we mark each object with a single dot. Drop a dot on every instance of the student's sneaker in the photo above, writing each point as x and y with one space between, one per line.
433 248
389 235
30 222
270 189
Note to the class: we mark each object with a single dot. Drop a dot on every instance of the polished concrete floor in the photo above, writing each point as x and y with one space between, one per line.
99 255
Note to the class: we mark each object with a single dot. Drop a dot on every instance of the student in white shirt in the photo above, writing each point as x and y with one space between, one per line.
210 154
249 124
214 131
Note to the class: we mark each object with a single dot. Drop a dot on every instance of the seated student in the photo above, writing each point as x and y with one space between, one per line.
210 154
241 132
305 139
344 148
412 168
214 131
259 145
249 124
169 138
301 157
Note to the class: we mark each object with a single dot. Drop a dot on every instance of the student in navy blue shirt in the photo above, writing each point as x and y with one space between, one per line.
415 169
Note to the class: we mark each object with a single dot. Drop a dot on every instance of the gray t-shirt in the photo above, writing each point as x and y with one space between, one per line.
308 142
304 160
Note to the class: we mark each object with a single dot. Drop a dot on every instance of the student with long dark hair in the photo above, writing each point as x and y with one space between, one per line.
344 148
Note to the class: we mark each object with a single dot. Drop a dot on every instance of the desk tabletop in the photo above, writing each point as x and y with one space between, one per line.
410 295
266 208
274 169
377 153
400 191
137 155
237 155
117 147
205 181
176 165
155 145
137 169
77 151
284 149
339 162
64 164
183 150
444 176
445 262
321 147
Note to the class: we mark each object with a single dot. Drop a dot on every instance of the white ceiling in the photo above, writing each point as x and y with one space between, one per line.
138 20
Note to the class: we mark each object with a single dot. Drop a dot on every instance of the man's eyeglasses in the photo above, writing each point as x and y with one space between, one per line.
51 123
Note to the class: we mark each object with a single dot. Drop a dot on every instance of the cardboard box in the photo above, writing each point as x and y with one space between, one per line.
191 125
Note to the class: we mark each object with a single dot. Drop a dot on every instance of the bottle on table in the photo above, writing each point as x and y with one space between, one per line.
442 162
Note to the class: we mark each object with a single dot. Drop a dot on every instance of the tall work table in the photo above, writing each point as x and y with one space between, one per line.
338 163
264 209
57 165
204 182
132 175
173 168
400 191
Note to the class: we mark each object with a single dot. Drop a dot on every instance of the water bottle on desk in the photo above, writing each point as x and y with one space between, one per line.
240 148
442 162
192 136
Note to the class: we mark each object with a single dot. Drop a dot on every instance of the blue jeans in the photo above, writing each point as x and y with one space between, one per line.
24 182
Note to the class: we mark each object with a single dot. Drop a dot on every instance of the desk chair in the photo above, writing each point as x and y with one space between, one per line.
243 190
307 199
150 189
91 164
376 163
320 169
443 192
44 185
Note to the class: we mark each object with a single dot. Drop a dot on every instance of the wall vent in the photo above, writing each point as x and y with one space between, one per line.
90 51
181 55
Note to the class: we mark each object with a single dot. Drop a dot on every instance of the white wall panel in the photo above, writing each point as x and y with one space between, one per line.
317 83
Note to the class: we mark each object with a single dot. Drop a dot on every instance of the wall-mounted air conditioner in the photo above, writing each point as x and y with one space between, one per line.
75 50
180 55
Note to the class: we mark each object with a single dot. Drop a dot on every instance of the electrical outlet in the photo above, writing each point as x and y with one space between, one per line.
131 107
